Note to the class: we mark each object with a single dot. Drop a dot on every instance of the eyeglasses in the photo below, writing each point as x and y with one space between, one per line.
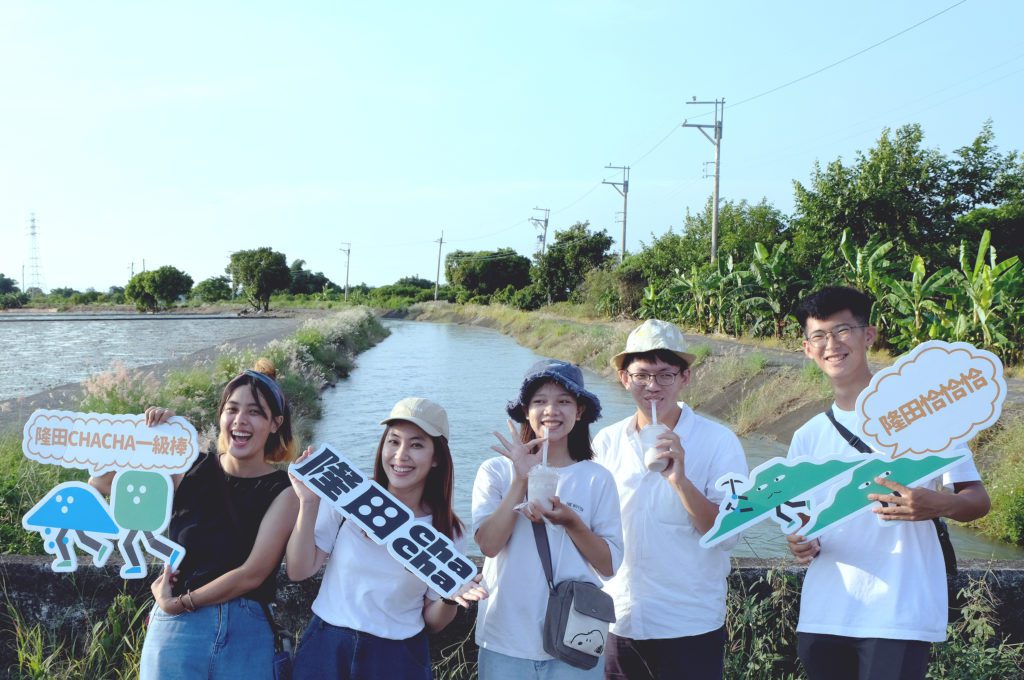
840 334
663 379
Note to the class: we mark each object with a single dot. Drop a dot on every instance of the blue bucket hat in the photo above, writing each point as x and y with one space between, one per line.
565 374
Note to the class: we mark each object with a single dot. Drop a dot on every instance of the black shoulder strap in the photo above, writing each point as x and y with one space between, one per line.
851 439
540 535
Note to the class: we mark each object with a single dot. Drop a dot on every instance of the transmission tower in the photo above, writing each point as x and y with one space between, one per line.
34 267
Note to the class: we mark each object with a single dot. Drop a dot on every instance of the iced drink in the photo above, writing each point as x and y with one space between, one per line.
541 485
648 439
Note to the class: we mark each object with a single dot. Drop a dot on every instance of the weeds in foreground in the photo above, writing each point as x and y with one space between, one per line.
973 650
457 661
1000 456
761 626
110 650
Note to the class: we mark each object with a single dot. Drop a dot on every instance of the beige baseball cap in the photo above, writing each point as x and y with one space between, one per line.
651 335
425 414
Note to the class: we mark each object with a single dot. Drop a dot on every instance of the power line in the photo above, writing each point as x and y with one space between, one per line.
847 58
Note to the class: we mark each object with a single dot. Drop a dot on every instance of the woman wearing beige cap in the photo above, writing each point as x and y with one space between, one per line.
371 616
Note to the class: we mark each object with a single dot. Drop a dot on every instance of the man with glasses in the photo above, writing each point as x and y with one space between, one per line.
669 592
874 597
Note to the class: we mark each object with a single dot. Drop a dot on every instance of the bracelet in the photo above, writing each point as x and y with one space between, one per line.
451 602
191 604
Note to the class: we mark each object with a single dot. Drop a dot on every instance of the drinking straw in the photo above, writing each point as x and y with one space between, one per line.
544 448
654 413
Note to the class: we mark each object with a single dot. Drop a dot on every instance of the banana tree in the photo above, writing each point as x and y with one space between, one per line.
916 301
990 291
865 267
773 285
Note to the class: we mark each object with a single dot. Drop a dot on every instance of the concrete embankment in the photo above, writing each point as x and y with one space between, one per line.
69 604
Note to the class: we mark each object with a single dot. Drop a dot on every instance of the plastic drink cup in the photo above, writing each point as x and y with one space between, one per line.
541 485
648 439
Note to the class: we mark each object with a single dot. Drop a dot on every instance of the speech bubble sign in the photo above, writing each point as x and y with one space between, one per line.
426 552
935 397
101 441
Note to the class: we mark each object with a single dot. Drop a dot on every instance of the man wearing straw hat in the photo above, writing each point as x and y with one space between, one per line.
669 592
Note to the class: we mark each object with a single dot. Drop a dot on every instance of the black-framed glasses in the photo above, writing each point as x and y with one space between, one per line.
840 333
664 379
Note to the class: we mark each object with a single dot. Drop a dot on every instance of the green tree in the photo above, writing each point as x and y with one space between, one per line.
213 289
305 282
259 273
139 291
161 287
8 285
574 252
485 272
902 192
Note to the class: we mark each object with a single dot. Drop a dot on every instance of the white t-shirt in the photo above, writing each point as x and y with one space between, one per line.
510 621
364 587
668 585
869 580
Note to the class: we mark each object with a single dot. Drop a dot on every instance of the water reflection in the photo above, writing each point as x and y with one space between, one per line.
473 372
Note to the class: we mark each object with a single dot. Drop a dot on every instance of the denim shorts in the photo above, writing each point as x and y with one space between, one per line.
496 666
328 651
219 642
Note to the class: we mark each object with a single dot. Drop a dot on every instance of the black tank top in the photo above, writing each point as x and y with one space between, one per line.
216 517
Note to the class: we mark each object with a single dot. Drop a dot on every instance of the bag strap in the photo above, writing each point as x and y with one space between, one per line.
540 536
851 439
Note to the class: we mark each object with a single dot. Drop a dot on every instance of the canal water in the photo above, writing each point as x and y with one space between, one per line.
41 351
473 372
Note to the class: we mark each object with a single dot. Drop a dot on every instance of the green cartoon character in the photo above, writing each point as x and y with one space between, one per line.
852 498
777 485
141 503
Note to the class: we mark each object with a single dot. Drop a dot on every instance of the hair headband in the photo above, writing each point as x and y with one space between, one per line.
272 385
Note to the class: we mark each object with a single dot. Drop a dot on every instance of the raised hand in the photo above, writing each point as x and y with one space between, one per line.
523 456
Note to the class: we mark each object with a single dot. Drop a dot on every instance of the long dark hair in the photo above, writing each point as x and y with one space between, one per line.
280 445
440 484
578 440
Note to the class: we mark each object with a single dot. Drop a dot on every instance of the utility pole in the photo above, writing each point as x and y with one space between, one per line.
35 267
348 254
437 281
717 141
542 224
623 188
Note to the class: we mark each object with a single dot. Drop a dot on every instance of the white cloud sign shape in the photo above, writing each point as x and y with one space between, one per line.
935 397
102 441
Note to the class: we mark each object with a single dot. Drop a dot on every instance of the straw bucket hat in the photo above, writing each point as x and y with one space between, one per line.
651 335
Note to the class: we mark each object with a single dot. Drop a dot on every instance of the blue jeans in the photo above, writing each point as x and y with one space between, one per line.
497 666
328 651
219 642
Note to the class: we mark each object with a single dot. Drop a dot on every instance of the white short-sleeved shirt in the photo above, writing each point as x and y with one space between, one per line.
869 580
510 621
668 585
364 587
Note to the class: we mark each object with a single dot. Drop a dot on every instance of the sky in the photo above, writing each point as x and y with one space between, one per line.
151 134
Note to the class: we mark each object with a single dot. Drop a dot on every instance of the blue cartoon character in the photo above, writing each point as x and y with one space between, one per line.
142 506
73 513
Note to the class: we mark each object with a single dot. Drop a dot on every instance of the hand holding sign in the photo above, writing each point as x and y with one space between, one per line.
427 553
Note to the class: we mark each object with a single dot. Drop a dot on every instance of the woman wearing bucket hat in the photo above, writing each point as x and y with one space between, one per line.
582 521
371 616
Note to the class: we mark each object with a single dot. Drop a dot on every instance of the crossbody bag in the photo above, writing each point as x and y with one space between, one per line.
948 554
578 614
